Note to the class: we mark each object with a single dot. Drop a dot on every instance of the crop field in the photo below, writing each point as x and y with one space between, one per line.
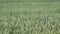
28 17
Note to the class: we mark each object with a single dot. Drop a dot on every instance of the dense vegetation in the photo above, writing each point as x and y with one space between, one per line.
30 18
32 0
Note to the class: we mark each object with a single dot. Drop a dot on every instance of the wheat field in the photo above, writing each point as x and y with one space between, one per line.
29 17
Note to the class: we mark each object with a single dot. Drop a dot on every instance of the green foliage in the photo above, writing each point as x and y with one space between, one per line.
32 0
30 18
